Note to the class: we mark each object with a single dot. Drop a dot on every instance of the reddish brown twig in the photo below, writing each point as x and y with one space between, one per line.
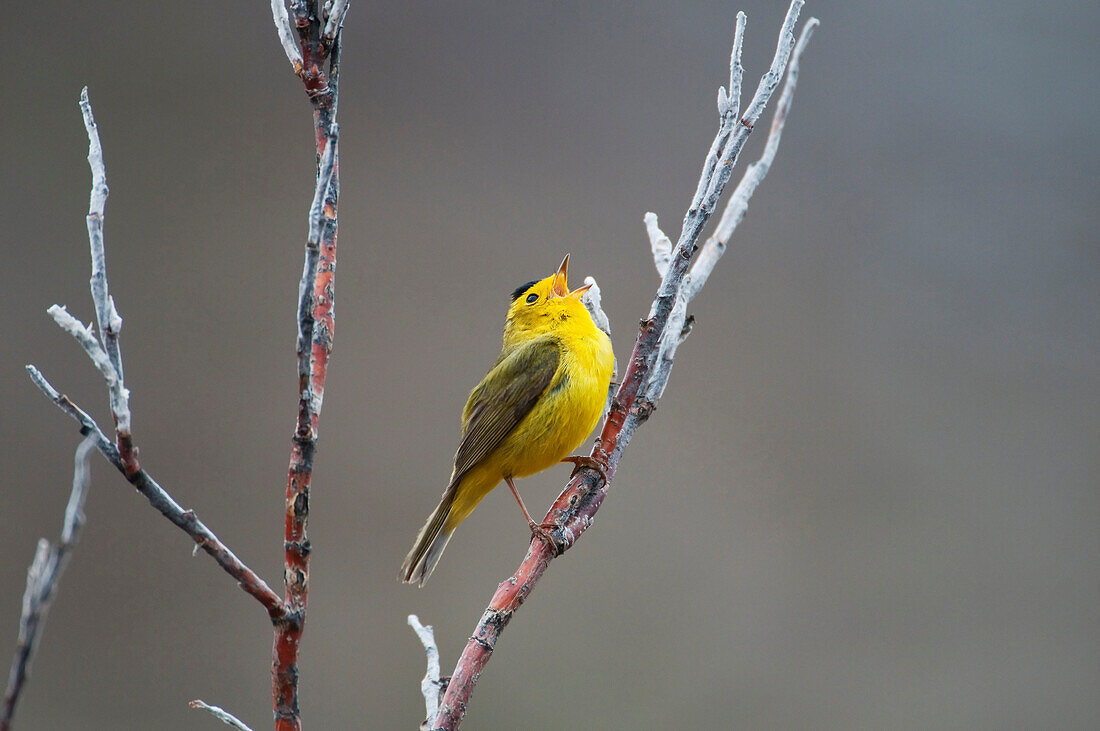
319 42
635 400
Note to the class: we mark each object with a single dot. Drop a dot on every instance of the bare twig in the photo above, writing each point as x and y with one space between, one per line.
107 357
659 243
592 300
335 20
221 714
286 37
431 686
107 316
42 579
575 507
109 321
84 335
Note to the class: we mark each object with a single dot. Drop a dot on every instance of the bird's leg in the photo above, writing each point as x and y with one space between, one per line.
540 530
580 462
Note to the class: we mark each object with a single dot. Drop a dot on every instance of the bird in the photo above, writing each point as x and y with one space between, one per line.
538 402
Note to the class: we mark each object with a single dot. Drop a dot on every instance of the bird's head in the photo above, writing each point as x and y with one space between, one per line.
545 306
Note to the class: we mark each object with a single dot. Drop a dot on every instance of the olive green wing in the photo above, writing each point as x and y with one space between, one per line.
507 394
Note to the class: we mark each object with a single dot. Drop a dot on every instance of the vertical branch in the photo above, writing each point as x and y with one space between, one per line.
42 579
312 338
110 323
318 43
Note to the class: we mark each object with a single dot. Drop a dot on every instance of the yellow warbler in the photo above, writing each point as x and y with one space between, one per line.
541 398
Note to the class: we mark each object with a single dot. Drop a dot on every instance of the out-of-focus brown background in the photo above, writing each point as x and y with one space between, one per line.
868 500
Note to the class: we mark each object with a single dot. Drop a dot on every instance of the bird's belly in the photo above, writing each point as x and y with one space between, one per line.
558 423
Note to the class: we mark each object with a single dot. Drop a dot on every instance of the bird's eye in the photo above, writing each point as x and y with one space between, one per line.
532 298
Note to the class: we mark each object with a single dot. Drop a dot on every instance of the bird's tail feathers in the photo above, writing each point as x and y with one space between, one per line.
430 542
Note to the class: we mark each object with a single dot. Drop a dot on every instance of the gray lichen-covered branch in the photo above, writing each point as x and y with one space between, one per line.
42 579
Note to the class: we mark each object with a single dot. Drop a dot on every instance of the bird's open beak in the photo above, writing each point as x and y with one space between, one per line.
560 288
580 291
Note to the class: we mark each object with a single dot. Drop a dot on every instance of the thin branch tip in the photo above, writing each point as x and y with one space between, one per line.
431 686
659 243
221 714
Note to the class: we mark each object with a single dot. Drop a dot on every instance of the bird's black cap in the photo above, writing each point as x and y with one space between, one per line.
518 291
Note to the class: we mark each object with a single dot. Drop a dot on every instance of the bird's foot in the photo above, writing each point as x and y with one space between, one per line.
580 462
543 532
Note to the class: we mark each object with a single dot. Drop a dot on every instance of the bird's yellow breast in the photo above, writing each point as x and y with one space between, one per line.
568 410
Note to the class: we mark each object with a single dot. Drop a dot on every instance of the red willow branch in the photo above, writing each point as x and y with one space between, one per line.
42 579
642 383
318 43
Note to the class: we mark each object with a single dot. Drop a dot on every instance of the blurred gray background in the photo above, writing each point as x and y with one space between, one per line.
868 500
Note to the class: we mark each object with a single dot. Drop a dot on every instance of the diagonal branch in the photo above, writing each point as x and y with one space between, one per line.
576 506
42 578
158 497
286 37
